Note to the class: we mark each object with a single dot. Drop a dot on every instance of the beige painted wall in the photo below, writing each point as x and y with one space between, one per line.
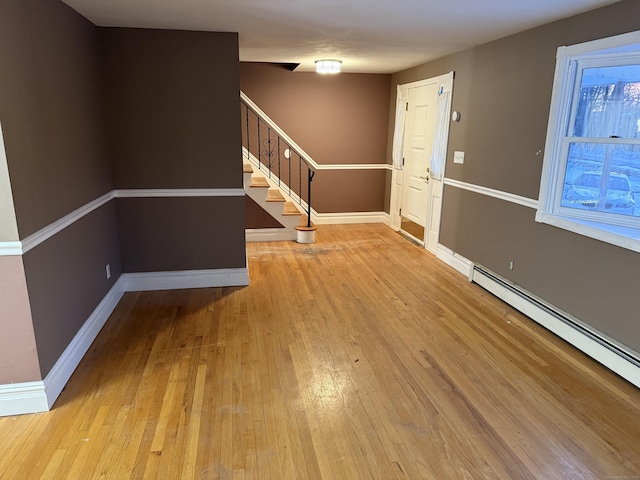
18 356
336 119
8 226
503 91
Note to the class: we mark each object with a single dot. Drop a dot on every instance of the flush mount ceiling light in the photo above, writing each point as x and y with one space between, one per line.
328 66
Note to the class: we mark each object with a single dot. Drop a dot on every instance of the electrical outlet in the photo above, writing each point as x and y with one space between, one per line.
108 269
510 264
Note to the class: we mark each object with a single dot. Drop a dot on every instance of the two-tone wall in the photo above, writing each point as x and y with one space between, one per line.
338 120
51 117
174 134
120 149
503 91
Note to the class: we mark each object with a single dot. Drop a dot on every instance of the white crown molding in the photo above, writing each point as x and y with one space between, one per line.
490 192
145 281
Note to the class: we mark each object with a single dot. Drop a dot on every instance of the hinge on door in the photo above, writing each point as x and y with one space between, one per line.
400 212
403 161
407 107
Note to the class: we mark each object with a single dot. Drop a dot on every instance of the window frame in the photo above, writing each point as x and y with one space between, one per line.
621 230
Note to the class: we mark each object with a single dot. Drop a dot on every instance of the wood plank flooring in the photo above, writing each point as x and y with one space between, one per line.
358 357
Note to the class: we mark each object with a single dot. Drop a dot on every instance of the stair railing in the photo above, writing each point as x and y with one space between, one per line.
276 155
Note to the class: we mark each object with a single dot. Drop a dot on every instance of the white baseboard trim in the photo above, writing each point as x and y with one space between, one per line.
345 218
39 396
223 277
34 397
61 372
454 260
22 398
269 235
580 336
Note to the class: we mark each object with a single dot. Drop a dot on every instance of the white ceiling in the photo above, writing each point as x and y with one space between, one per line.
371 36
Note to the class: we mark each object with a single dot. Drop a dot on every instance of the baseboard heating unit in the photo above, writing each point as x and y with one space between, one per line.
615 356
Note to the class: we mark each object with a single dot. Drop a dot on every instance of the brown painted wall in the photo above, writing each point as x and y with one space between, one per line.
173 122
503 91
335 119
173 116
50 111
168 234
67 280
52 119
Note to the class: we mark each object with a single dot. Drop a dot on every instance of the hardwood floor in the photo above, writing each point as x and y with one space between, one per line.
358 357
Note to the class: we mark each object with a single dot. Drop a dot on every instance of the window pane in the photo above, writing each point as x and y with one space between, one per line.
585 188
609 102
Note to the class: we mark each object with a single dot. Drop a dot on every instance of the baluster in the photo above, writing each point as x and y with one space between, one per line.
259 145
248 133
279 172
289 170
310 174
269 149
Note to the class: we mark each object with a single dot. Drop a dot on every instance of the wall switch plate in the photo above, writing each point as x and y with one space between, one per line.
458 157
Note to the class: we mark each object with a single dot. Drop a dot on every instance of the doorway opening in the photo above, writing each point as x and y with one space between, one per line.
420 145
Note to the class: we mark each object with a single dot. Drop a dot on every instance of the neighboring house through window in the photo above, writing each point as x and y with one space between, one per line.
591 174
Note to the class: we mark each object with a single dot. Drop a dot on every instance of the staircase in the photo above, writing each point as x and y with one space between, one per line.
277 174
273 200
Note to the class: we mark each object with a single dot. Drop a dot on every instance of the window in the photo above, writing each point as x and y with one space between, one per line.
591 173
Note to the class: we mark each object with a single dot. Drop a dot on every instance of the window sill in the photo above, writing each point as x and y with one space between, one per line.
625 237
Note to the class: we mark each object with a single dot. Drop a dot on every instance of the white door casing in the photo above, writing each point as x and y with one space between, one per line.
413 190
432 234
420 128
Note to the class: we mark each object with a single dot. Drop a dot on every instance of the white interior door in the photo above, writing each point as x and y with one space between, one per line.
416 195
419 133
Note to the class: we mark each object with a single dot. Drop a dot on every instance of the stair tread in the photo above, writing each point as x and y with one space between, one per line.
247 168
259 182
304 228
274 195
290 209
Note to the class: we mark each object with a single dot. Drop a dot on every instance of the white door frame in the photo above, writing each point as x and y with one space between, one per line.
396 175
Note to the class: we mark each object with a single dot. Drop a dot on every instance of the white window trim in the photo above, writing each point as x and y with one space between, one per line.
624 235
